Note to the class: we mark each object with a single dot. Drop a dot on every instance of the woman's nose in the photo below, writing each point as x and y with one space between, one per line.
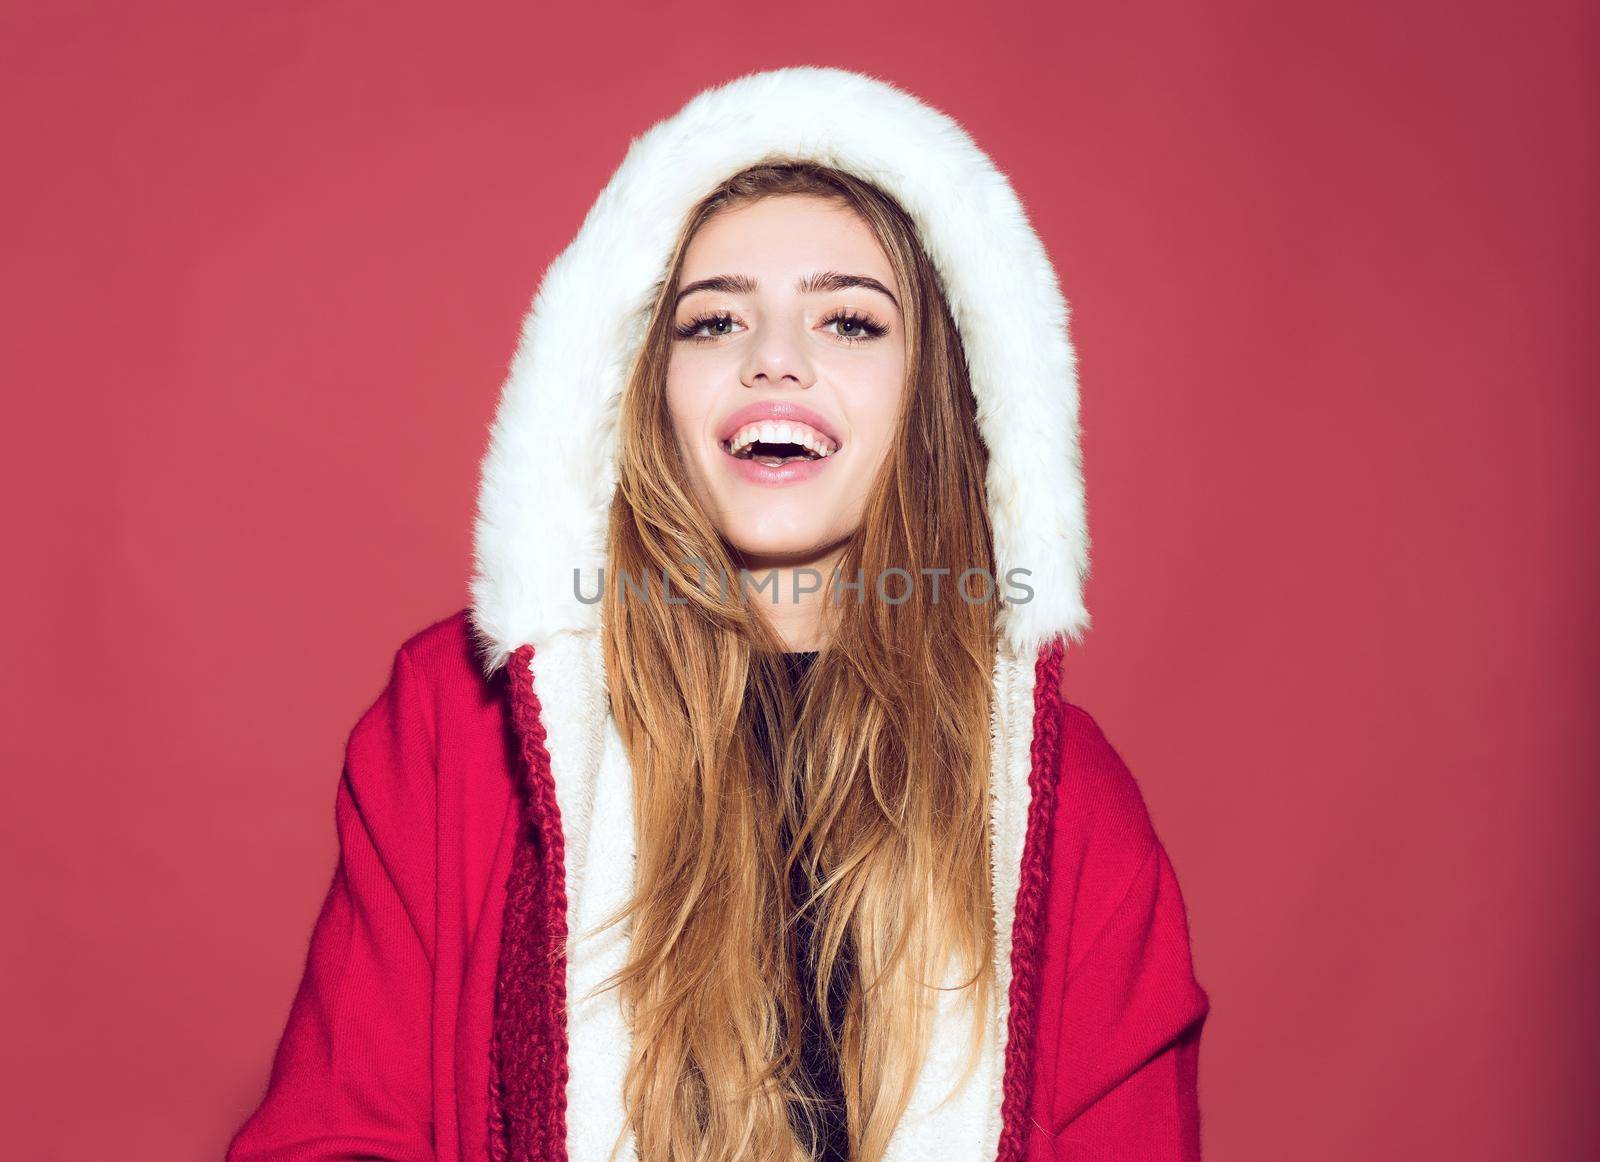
779 355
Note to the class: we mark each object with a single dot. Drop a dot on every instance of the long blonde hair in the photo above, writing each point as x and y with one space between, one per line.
888 736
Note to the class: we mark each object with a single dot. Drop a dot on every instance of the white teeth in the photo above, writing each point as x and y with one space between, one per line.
782 432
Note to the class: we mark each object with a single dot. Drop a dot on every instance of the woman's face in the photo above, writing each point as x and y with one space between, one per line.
786 374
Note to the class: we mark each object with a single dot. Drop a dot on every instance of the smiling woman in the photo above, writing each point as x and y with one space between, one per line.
806 369
836 874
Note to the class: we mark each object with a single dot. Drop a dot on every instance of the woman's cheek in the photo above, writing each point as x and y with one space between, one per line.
687 402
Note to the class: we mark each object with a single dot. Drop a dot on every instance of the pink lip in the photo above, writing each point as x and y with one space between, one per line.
774 410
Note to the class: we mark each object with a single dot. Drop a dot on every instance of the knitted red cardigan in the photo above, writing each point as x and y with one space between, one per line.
423 1028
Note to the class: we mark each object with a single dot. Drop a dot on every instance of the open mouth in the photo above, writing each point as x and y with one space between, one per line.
775 445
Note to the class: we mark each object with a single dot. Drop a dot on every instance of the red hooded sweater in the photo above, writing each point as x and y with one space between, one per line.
449 1006
386 1053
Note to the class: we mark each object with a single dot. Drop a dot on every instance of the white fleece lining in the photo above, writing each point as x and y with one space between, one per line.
594 788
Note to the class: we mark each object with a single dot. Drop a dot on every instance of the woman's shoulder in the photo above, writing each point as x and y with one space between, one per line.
438 685
1096 792
1109 871
1103 839
443 660
443 652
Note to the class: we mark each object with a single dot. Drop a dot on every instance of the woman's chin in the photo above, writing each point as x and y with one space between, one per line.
758 552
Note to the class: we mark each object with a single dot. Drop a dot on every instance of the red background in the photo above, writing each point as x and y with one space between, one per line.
1333 273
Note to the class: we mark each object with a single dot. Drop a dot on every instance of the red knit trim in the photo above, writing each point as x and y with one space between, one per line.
1027 926
528 1047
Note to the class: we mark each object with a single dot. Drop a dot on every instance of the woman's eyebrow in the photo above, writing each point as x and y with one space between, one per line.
818 283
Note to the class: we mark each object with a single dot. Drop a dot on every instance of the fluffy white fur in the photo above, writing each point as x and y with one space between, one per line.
549 474
550 470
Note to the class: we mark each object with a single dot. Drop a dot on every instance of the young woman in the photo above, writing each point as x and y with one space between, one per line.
743 815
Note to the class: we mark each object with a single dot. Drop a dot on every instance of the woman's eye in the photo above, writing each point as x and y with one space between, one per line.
854 328
693 328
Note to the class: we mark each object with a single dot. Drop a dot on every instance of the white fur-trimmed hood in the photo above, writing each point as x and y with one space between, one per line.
549 473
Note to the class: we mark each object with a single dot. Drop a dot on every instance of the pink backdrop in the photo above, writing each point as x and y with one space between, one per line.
1334 286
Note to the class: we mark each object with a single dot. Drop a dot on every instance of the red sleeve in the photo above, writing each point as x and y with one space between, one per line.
350 1078
1126 1058
1130 1039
